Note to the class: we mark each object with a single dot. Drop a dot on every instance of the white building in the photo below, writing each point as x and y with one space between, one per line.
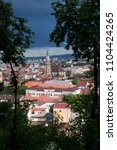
52 92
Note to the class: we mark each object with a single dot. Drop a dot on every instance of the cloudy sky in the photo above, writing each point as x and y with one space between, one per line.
41 22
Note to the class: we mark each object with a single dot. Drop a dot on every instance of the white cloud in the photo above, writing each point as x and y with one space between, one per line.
41 51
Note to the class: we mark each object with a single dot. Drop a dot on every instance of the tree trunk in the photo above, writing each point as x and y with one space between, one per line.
95 100
14 129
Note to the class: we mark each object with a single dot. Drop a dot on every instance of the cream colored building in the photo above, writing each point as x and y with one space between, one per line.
62 113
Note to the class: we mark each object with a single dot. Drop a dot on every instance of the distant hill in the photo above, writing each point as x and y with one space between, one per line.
60 57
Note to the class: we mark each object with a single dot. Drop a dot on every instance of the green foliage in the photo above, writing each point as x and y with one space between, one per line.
51 109
22 90
7 90
35 138
28 137
89 129
70 98
74 81
89 73
83 64
77 23
53 136
15 38
6 116
10 90
68 74
1 86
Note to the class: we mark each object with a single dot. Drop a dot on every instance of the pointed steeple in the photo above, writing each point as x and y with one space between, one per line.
47 54
47 64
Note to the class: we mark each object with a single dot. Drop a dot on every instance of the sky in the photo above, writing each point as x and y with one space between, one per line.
41 22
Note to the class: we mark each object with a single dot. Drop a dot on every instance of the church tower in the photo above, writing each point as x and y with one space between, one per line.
47 64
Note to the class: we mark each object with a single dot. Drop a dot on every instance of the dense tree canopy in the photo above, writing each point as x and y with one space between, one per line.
15 37
77 23
88 128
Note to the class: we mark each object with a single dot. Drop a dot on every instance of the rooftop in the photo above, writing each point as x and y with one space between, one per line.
43 98
51 83
61 105
38 109
60 89
58 82
56 68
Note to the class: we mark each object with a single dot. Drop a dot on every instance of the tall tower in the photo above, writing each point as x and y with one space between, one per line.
47 64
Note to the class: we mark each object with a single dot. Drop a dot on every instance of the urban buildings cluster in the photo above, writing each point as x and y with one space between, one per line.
46 83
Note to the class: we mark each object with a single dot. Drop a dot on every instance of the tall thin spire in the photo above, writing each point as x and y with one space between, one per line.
47 64
47 54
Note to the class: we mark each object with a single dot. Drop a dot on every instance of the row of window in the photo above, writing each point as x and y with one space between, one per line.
50 94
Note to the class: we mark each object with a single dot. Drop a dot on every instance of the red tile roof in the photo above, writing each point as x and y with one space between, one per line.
61 105
60 89
43 98
38 109
82 83
47 85
80 67
33 83
56 68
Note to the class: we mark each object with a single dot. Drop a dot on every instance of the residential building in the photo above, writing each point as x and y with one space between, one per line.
62 113
79 69
40 114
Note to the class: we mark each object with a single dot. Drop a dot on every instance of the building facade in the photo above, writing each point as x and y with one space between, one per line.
62 113
52 92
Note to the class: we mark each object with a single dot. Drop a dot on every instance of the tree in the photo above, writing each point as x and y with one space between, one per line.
74 80
6 116
88 128
68 74
15 38
78 24
89 73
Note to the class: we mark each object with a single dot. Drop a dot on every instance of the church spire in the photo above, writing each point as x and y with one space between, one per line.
47 64
47 54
